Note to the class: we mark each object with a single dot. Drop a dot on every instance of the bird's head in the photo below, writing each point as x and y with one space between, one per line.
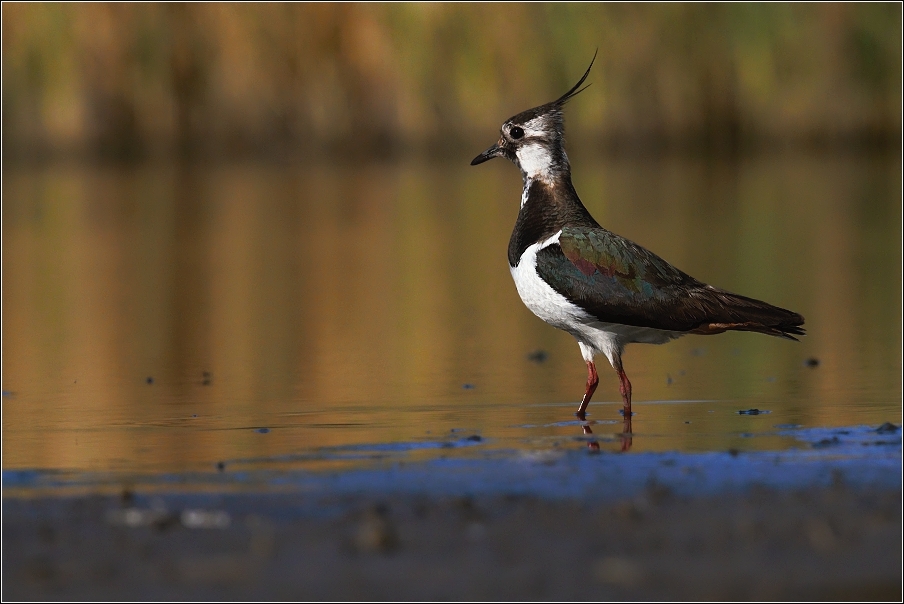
534 139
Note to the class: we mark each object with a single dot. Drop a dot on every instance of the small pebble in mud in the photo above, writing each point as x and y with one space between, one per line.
752 411
263 430
812 362
468 386
150 380
827 442
538 356
837 478
656 493
734 452
887 428
686 422
165 521
668 380
376 533
206 378
474 438
221 466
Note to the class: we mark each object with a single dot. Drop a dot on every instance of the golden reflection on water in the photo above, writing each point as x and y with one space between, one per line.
350 304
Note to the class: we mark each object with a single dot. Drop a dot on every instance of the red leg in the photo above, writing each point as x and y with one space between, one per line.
625 389
592 380
624 386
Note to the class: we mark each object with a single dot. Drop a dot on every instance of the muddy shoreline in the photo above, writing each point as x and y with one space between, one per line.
817 523
837 542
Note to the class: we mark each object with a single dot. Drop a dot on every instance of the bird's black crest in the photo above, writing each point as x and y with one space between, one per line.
574 89
554 108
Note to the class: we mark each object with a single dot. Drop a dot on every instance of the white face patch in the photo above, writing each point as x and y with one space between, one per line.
535 160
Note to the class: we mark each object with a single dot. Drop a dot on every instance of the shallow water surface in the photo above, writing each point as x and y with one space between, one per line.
161 319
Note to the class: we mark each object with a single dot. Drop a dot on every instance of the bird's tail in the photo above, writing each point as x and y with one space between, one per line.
732 312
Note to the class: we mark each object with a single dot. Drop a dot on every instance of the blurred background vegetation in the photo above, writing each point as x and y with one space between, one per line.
210 80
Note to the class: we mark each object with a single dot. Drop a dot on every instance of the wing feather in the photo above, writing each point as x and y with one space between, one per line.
618 281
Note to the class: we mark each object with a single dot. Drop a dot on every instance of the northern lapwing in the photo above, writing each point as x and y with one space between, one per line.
603 289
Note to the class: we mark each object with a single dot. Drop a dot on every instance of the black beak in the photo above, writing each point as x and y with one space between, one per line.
489 154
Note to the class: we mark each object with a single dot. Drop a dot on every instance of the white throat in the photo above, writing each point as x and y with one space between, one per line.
535 161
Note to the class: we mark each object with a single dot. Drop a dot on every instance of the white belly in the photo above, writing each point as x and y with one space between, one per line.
539 297
594 336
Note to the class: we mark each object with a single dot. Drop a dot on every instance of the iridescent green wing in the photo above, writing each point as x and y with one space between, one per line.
617 281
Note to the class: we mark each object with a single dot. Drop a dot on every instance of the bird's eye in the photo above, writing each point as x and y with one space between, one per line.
516 132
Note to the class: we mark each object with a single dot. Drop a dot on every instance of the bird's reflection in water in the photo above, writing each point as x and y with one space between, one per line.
626 436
